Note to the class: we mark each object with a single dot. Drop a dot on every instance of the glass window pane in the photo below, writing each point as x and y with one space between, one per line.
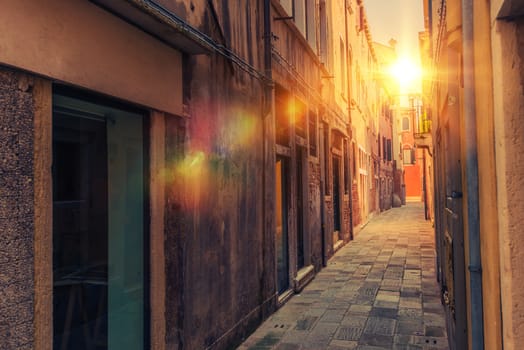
125 236
98 227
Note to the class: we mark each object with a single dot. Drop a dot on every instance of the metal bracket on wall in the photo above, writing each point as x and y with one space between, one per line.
456 194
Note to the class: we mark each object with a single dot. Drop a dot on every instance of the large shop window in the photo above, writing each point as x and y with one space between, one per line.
98 227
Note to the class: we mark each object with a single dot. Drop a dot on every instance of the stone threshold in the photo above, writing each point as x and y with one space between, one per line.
304 276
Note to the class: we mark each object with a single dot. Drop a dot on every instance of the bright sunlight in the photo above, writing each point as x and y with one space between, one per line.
406 72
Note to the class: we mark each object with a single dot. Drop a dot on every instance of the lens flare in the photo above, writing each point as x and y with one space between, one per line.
242 127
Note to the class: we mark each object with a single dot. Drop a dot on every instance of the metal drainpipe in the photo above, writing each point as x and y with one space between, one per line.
471 173
267 45
323 179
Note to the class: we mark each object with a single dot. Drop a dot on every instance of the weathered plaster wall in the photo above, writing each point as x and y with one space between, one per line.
176 227
385 166
328 226
43 227
357 217
220 266
296 68
59 39
346 212
363 114
157 202
508 68
338 21
16 211
487 178
295 64
373 205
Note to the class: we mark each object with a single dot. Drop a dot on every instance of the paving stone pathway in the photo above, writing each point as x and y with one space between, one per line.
377 292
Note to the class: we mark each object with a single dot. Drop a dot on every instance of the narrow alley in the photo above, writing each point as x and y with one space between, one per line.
378 292
261 174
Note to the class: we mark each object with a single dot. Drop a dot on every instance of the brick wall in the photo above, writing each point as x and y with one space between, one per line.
16 211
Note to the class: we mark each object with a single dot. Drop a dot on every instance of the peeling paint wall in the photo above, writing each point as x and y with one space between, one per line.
499 103
508 92
62 43
365 120
296 70
489 234
220 276
218 140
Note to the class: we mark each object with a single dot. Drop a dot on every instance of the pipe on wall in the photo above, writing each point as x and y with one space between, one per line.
267 43
268 179
346 156
472 180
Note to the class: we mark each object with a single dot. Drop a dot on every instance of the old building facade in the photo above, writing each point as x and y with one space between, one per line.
388 98
136 178
176 170
475 89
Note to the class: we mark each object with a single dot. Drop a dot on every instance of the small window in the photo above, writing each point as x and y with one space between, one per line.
324 33
336 141
346 167
311 23
408 156
282 116
379 146
299 15
299 112
327 152
354 160
405 124
384 148
343 67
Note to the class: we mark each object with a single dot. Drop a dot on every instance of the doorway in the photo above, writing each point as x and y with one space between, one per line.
281 211
336 200
300 155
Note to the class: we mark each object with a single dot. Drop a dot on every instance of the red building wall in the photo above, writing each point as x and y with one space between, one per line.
412 180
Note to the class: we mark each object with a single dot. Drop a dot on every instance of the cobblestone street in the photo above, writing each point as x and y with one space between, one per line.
377 292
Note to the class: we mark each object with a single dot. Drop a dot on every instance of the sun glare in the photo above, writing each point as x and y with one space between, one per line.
406 72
